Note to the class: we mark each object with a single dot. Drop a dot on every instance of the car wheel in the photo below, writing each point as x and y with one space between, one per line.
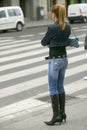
71 21
4 31
19 27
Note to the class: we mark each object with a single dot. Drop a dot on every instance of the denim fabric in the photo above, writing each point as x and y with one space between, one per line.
56 74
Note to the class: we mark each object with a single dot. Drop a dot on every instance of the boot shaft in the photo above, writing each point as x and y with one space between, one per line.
62 102
55 104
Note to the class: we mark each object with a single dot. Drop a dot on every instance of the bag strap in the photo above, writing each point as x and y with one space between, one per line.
74 33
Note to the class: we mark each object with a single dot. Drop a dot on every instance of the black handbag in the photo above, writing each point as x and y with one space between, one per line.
85 43
73 42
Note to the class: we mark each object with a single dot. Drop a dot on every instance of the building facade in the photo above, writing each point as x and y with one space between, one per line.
37 9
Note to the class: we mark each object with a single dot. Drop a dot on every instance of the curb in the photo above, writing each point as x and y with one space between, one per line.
35 24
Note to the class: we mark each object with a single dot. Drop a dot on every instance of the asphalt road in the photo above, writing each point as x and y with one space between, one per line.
23 70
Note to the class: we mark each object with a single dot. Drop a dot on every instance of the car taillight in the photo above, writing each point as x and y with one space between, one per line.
80 11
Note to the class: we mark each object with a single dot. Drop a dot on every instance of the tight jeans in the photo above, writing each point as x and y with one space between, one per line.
56 75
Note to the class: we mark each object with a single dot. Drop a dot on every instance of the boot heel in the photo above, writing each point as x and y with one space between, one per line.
64 117
61 118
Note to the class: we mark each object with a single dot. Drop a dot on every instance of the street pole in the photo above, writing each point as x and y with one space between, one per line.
49 4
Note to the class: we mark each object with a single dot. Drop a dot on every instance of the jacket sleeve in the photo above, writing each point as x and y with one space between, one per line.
47 38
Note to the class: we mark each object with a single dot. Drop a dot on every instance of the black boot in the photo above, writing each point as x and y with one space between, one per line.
54 100
62 115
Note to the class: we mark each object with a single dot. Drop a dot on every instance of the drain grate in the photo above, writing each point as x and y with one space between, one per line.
47 98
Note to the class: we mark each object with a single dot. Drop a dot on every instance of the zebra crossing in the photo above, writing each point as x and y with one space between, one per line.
23 74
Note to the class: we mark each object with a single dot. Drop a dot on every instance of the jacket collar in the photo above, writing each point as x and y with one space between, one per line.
56 22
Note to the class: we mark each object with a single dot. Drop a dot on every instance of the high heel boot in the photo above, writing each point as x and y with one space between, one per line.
54 100
62 115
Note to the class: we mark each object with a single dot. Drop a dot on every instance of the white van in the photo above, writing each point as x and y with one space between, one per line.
11 17
77 12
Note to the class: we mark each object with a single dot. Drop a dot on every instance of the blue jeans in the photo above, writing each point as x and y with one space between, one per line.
56 75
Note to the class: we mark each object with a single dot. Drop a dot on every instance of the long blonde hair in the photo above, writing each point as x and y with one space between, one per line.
60 13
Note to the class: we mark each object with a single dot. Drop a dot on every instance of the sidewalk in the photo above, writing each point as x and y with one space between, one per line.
76 110
39 23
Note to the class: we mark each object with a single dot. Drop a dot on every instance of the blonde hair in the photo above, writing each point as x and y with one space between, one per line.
60 13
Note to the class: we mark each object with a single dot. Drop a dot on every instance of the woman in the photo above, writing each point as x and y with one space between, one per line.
56 38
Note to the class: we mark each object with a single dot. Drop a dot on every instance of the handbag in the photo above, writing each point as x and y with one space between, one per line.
73 42
85 43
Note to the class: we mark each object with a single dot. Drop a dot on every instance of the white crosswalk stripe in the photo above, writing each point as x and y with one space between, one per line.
21 48
12 44
14 66
21 56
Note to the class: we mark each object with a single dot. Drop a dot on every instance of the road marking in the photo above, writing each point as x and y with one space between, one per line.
23 73
22 48
17 88
32 83
34 60
4 38
81 30
24 105
76 86
41 33
11 43
24 36
18 56
31 104
8 58
83 96
2 41
77 58
22 63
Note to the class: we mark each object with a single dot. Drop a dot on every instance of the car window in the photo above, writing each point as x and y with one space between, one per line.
2 14
17 11
13 12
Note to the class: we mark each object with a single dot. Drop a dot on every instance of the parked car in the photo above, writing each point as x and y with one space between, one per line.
11 17
77 12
